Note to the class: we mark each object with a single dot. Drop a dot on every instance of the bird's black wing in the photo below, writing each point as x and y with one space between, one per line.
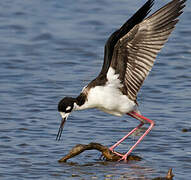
111 42
135 53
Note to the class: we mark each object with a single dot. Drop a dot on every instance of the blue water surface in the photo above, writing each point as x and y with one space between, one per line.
51 49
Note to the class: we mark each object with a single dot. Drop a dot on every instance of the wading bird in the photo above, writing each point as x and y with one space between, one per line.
129 55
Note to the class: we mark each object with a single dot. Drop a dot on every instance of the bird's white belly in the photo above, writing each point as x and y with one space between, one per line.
110 100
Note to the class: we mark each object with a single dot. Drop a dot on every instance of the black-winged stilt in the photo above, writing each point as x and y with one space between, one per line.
130 53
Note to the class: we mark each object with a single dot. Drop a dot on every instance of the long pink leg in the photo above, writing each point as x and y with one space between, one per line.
121 140
139 117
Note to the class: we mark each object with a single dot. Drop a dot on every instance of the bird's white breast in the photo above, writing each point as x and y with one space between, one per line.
109 98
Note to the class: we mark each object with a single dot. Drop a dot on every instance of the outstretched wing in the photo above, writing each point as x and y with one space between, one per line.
135 53
111 42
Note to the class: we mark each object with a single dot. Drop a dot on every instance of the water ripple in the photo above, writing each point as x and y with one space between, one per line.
50 49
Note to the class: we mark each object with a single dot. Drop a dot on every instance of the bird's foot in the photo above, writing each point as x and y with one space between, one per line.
124 158
112 154
118 154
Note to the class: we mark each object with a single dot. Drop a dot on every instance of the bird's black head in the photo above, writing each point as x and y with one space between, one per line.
65 107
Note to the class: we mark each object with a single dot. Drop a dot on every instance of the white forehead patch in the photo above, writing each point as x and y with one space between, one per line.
68 108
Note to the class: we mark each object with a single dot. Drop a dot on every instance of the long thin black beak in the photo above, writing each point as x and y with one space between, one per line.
60 129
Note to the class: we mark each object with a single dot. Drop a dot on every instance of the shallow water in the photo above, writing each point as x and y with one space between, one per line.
51 49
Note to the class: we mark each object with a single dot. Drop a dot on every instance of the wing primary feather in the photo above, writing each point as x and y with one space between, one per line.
139 46
126 27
